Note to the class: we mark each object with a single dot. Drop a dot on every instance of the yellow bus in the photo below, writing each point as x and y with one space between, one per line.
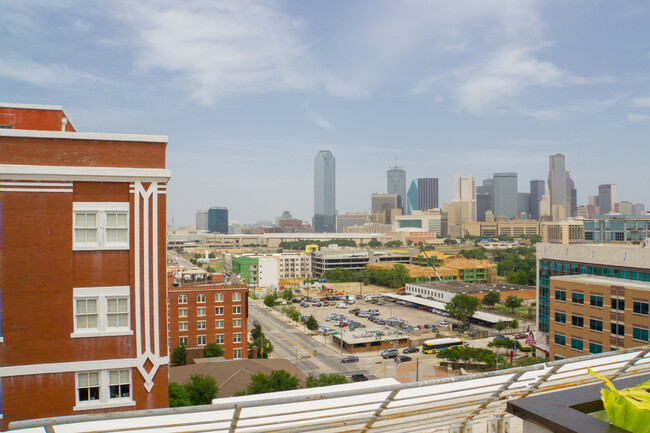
438 344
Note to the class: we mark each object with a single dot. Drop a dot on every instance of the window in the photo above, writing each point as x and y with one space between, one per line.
596 325
595 348
640 334
200 324
236 309
236 323
182 299
218 297
182 312
200 299
577 321
618 304
560 340
182 326
200 340
236 337
560 317
218 311
576 344
236 297
200 311
618 329
596 301
640 308
105 388
560 295
100 226
236 353
183 340
101 311
577 298
220 339
218 324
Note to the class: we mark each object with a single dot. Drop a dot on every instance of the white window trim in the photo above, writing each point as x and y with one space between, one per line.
101 294
104 401
101 208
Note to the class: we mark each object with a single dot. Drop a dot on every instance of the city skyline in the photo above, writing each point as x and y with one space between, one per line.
248 92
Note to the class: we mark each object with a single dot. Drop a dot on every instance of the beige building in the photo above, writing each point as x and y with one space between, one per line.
433 220
563 232
513 228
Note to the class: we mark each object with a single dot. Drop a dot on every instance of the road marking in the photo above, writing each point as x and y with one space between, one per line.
279 331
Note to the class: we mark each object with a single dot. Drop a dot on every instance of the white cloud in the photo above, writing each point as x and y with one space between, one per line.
42 74
642 102
319 120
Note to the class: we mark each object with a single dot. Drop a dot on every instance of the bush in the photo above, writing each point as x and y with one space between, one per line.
178 396
179 355
213 350
201 389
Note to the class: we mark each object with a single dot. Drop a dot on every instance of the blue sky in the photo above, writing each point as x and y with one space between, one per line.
249 91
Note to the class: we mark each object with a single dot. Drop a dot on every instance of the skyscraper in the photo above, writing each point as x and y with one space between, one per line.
202 219
428 193
382 206
505 195
606 198
465 191
536 193
324 192
218 220
484 199
396 184
412 198
561 188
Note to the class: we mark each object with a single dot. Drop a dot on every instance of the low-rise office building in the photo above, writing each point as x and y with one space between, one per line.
614 228
563 232
326 260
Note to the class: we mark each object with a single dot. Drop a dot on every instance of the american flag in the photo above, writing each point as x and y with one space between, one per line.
530 340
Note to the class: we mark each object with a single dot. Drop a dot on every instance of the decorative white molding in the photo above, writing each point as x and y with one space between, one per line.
67 367
110 405
87 174
27 133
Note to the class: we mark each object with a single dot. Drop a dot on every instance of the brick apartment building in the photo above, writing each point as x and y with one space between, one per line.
82 268
202 313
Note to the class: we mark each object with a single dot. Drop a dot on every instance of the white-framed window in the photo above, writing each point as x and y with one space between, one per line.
236 297
218 324
200 311
218 297
220 338
183 340
236 309
101 311
236 353
236 337
182 299
236 323
182 312
200 324
200 299
103 389
201 340
100 226
182 326
218 311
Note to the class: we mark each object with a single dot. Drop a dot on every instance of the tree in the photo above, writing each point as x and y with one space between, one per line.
325 380
291 312
491 298
514 324
462 307
374 243
213 350
201 389
505 343
178 396
311 323
450 241
179 354
287 294
269 300
265 348
500 326
512 302
212 256
277 380
523 362
409 242
396 243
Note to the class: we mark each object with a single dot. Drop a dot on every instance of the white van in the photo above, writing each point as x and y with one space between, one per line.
351 299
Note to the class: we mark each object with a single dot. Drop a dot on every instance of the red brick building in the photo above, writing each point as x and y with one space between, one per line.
202 313
82 268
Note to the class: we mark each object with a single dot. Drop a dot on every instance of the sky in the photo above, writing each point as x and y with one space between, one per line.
248 92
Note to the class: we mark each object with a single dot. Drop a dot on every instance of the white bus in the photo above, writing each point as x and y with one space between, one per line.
438 344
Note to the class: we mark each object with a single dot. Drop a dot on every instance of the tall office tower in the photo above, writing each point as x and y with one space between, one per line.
218 220
505 195
428 193
396 184
606 198
572 195
202 219
561 188
536 193
484 199
382 206
412 199
465 191
324 192
523 203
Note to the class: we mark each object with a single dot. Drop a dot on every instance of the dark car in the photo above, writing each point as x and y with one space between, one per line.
355 310
411 349
389 353
404 358
521 336
359 377
500 337
350 359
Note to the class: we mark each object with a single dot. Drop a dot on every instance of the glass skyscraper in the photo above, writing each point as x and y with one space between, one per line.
428 193
412 198
505 195
396 184
324 192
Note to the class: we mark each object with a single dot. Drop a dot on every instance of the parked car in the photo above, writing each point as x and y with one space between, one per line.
443 324
318 304
380 322
341 305
256 323
521 336
295 300
500 337
355 310
411 349
390 353
404 358
359 377
348 359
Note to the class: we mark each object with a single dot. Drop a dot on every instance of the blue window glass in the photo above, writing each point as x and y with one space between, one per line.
596 325
577 298
640 334
596 301
560 317
618 329
640 308
560 295
578 321
618 304
576 343
560 340
595 348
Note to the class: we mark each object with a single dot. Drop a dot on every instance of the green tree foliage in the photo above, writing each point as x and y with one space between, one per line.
213 350
391 244
523 362
287 294
504 344
179 355
500 326
277 380
517 264
212 256
514 324
264 345
201 389
311 323
374 243
395 277
467 354
474 253
462 307
513 302
450 241
178 396
291 312
269 300
339 275
491 298
325 380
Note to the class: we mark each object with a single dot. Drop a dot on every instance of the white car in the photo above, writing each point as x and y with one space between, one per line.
341 305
